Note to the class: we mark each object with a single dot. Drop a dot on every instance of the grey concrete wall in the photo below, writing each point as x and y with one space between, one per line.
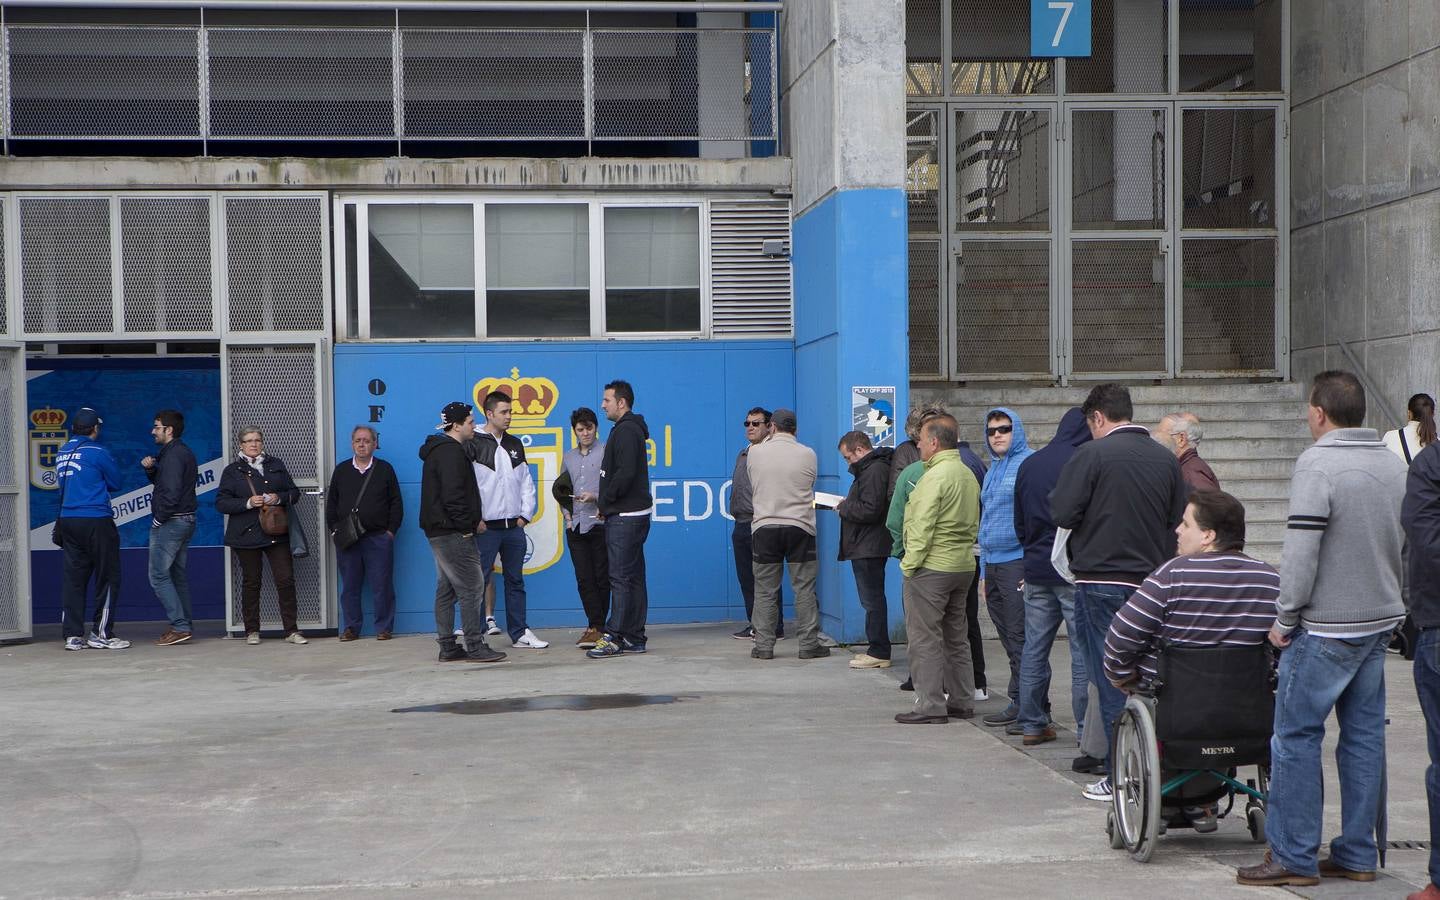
1365 192
843 100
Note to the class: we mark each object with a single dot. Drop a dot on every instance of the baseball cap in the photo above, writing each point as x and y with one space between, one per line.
455 414
86 418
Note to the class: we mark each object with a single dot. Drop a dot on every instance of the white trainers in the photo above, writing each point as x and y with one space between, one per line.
459 632
866 661
74 643
96 642
253 638
296 637
491 627
1100 790
981 694
528 639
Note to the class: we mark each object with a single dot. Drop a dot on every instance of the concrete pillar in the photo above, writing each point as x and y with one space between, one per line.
845 122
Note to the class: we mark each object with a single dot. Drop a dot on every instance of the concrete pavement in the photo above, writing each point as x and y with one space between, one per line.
213 768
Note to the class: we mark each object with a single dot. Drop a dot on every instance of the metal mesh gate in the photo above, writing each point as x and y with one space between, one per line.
66 284
1229 306
14 524
924 298
1117 307
1002 307
275 248
165 262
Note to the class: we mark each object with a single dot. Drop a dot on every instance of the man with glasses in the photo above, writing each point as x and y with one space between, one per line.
742 510
173 472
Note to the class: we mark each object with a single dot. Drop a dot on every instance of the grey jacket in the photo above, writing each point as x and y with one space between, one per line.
782 473
742 508
1340 569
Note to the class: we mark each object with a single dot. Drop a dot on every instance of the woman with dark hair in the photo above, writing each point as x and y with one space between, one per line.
1419 431
249 484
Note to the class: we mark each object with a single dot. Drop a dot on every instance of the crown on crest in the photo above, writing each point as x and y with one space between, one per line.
48 419
531 399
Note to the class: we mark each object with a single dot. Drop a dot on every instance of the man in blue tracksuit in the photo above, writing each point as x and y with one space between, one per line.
1002 556
88 475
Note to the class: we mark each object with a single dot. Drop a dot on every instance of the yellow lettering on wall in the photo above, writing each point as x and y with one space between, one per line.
650 452
668 446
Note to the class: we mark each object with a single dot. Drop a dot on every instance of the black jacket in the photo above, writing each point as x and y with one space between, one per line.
625 468
1420 515
174 476
1037 477
1122 497
449 496
863 534
900 459
242 528
381 509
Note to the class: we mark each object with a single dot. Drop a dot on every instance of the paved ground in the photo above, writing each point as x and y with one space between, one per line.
216 769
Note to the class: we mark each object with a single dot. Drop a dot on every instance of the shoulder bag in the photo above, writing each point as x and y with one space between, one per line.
273 519
55 530
350 529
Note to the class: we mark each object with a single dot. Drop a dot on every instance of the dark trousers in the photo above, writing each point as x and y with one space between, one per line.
629 600
91 548
870 585
592 573
509 545
972 632
1005 602
1427 686
371 558
282 570
745 573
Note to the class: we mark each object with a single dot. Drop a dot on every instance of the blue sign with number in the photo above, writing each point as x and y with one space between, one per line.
1060 27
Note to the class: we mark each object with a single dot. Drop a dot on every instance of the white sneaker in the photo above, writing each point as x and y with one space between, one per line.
981 694
253 638
459 632
528 639
491 627
96 642
1100 790
296 637
74 643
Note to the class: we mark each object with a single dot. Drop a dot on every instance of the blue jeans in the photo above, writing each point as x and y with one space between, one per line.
509 545
1427 686
169 547
629 600
1095 606
1045 605
1317 675
373 558
870 585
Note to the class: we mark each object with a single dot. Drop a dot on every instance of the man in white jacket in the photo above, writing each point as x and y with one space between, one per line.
507 500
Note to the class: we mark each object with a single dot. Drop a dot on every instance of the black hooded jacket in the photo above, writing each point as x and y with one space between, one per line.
449 495
1420 515
863 534
625 468
1033 484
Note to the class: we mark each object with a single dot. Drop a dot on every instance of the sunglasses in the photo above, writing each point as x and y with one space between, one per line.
750 424
999 429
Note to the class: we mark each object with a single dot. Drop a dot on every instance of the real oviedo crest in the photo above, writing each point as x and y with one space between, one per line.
532 400
47 436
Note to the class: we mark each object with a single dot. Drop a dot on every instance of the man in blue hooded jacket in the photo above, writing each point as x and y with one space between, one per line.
1001 553
1048 597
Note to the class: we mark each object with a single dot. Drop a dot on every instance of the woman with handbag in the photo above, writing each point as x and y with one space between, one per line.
256 494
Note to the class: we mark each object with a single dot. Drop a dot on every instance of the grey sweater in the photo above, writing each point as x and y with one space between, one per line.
1340 569
782 478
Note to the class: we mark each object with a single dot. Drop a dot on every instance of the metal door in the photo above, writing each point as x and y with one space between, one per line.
14 495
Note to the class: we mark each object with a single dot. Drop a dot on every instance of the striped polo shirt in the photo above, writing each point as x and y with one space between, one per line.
1202 600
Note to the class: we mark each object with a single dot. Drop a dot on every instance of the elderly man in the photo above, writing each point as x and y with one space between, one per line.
865 541
1180 433
365 485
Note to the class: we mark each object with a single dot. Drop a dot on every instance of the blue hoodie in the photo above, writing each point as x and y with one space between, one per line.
998 541
1036 479
88 475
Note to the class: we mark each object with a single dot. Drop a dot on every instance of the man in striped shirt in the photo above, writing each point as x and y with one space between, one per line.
1211 594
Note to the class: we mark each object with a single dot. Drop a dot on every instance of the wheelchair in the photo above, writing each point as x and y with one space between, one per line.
1179 742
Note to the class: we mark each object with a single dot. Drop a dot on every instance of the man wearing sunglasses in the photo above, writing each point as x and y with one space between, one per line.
1002 556
742 510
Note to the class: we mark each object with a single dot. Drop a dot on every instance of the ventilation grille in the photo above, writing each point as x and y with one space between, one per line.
165 253
275 248
750 292
65 265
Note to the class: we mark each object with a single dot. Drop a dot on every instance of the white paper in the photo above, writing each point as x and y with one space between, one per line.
827 501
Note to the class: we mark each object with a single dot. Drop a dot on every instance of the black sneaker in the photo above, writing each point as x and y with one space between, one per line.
1087 764
757 653
452 653
817 653
745 634
1004 717
907 685
484 654
632 646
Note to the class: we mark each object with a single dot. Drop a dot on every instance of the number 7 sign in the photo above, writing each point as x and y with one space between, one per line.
1060 27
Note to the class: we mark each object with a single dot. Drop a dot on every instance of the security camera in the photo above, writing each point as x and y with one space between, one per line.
775 249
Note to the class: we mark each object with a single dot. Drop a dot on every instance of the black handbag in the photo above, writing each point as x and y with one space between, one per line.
350 529
55 529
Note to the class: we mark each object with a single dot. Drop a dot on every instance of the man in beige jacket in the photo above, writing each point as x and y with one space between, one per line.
782 479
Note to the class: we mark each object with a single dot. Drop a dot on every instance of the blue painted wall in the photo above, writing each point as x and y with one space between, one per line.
850 329
693 396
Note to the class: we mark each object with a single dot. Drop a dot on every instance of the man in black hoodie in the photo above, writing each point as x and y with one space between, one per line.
625 503
1048 597
1420 515
450 515
866 542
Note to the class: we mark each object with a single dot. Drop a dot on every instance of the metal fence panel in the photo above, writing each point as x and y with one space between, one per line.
104 82
165 261
14 529
925 298
298 83
511 84
65 265
275 263
1229 305
1002 308
4 282
1117 307
1228 168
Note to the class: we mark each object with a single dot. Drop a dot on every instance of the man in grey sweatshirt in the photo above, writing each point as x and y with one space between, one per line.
1339 601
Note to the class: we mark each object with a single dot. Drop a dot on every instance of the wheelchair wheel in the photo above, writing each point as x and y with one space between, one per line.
1135 779
1116 841
1255 809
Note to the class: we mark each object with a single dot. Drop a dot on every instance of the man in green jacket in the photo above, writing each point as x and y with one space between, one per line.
941 519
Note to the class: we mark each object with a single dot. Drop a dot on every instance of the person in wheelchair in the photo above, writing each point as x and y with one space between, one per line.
1211 595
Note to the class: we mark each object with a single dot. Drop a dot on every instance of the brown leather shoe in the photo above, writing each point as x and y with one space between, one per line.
914 718
956 712
588 639
1044 737
1271 874
383 636
1330 869
349 635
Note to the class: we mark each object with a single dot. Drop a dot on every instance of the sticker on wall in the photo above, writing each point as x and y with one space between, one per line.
872 411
